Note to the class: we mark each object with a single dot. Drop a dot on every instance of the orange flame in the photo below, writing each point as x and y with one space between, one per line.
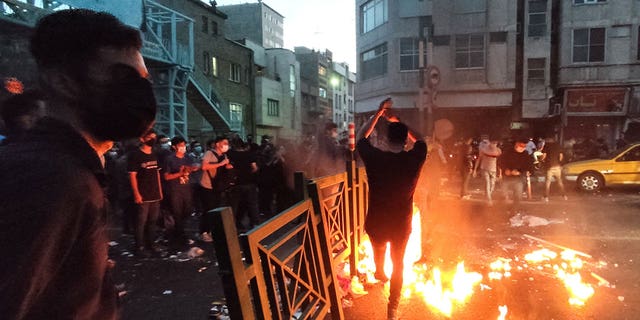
440 290
503 312
567 270
443 291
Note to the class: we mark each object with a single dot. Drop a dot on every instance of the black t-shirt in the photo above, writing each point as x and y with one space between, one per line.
392 181
147 169
512 160
172 165
552 158
242 161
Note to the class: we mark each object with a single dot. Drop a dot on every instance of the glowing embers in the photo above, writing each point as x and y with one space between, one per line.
567 268
448 290
443 291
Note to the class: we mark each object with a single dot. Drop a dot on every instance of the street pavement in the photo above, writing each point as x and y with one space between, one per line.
605 226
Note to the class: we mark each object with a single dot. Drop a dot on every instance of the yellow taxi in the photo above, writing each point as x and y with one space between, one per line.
622 168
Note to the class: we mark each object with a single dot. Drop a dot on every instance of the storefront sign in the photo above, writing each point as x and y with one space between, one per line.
596 101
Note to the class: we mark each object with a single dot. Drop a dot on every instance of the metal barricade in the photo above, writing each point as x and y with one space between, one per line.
286 267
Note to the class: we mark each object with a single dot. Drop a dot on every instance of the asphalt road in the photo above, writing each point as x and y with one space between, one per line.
605 226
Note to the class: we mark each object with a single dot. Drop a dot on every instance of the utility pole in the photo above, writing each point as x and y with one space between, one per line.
426 87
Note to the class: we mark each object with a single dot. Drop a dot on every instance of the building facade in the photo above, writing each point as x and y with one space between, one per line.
315 70
599 69
278 97
255 21
342 83
223 71
571 69
439 59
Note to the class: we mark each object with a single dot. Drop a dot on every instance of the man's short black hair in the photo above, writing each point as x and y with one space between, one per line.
220 138
70 38
330 126
397 132
177 140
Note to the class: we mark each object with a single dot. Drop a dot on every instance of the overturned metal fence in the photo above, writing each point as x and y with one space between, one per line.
286 267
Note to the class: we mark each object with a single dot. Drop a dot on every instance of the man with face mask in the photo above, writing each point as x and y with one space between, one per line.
144 177
214 166
54 239
176 174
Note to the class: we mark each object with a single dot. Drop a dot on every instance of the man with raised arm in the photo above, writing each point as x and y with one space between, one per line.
392 176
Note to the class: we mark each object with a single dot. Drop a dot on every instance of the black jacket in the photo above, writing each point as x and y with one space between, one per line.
53 241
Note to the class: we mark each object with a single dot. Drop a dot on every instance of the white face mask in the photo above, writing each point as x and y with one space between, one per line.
225 148
182 149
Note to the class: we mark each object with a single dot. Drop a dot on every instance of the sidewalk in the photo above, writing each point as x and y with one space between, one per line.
165 286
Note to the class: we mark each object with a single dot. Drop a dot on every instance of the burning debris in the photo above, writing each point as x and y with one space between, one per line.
444 289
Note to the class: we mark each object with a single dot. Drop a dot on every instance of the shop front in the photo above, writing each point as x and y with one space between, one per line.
595 113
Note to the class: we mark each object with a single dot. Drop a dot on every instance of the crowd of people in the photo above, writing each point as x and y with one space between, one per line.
160 182
88 137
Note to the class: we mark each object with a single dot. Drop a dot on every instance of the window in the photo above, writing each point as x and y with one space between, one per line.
638 47
535 71
214 28
322 71
469 51
588 45
292 80
214 66
205 59
205 24
537 18
631 155
235 70
374 62
273 108
588 1
322 92
235 116
410 54
372 14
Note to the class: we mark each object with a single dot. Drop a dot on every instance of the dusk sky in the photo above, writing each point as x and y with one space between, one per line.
317 24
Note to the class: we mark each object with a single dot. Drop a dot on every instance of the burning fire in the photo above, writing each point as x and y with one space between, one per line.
443 290
567 270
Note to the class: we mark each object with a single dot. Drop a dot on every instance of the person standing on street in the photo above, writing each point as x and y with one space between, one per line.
212 184
515 166
144 178
178 167
552 162
488 153
54 239
392 176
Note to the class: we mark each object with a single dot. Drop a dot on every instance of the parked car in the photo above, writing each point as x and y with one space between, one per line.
621 168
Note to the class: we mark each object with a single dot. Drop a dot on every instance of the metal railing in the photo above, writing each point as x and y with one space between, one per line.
209 92
290 261
163 27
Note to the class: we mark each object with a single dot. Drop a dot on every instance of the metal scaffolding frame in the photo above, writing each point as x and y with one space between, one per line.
169 50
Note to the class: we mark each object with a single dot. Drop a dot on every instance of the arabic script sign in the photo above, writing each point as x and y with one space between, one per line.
596 100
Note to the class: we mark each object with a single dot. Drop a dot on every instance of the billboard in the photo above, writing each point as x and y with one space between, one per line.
128 11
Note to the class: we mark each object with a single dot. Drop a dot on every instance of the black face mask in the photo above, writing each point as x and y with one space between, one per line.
150 142
123 108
